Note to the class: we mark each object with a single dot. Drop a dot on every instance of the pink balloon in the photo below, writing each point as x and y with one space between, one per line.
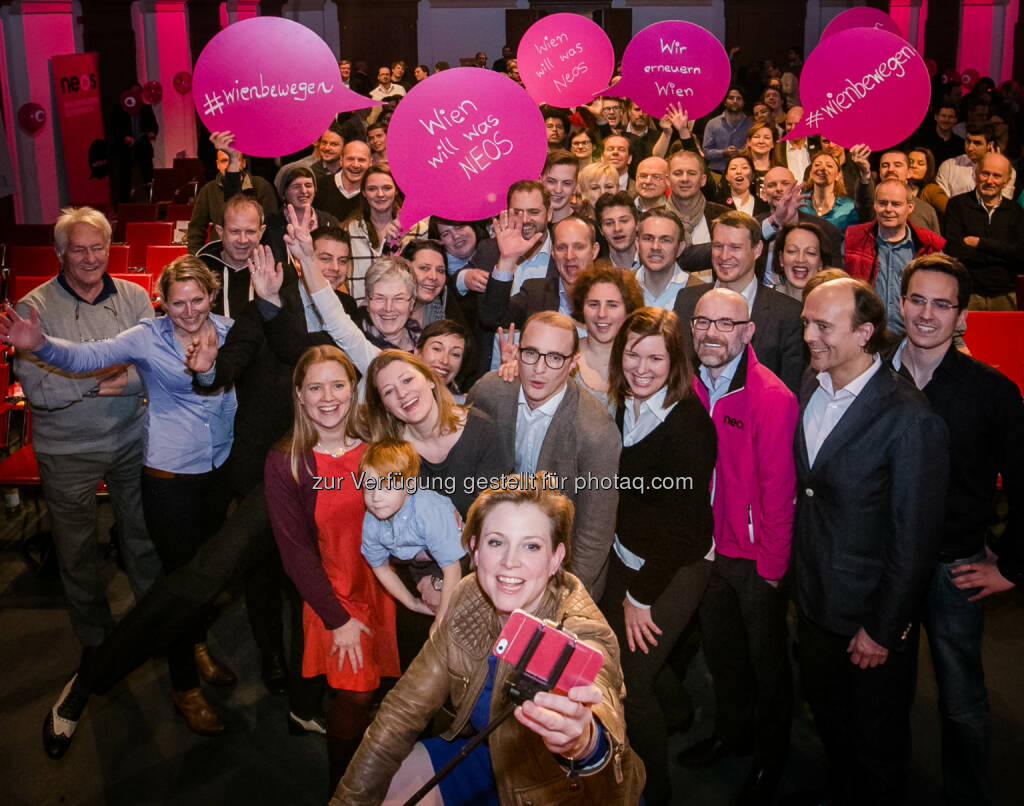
273 83
863 85
565 59
861 17
673 62
458 140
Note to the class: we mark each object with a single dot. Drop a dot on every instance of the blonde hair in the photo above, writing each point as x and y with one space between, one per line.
380 424
185 268
588 173
69 216
301 440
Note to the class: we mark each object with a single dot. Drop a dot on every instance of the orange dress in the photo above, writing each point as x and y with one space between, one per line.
339 520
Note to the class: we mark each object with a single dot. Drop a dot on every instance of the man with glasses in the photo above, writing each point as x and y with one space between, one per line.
552 425
982 409
651 184
878 251
743 611
735 247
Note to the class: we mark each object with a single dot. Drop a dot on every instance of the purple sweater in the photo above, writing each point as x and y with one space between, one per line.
292 508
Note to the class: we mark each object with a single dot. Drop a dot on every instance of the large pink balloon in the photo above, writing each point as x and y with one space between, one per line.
273 83
861 17
674 62
863 85
458 140
565 59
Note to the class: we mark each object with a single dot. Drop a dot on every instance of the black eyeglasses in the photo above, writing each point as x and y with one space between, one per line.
532 356
723 325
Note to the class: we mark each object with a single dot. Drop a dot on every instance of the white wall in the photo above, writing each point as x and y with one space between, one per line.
710 16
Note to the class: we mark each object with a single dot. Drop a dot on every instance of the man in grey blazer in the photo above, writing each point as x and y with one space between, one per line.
550 424
872 463
735 247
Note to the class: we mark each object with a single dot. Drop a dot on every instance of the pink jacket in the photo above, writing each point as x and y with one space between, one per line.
755 477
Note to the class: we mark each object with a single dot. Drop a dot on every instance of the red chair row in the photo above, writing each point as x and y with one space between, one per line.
43 261
996 338
21 284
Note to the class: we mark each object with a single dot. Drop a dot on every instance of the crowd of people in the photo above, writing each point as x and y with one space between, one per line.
689 376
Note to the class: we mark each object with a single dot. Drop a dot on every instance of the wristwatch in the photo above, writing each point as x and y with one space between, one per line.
437 582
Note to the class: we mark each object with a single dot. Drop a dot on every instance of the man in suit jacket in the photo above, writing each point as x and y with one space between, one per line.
552 425
872 462
736 245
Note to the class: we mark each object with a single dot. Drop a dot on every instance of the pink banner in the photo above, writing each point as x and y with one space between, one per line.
76 91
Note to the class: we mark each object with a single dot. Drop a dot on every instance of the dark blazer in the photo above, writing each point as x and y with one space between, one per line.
832 234
869 511
782 153
778 341
498 309
262 382
581 444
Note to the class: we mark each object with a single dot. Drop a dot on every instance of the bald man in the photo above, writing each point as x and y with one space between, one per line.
743 611
985 230
651 184
339 193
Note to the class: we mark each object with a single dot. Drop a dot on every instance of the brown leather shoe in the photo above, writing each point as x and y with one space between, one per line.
198 713
212 670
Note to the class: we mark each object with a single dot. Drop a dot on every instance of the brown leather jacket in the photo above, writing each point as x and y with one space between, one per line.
453 663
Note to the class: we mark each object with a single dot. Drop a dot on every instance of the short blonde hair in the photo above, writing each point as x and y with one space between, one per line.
69 216
185 268
390 268
588 173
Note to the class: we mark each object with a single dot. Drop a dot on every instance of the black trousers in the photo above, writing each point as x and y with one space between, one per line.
862 715
743 629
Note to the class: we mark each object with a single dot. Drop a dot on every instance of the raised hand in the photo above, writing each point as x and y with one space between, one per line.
508 233
26 334
297 237
859 156
788 208
202 352
267 276
507 343
222 142
676 118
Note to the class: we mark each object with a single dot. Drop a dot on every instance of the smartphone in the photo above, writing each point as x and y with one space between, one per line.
552 644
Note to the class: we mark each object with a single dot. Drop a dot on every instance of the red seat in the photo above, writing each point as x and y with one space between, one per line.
159 256
178 212
139 278
118 258
133 211
20 469
21 284
38 260
141 234
997 339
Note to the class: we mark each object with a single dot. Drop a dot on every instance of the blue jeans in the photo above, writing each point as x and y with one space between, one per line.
954 628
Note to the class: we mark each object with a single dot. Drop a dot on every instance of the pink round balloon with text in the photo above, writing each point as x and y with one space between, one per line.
565 60
861 17
863 85
273 83
674 62
458 140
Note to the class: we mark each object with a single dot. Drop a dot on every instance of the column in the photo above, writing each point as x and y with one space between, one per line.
33 32
162 51
235 10
986 37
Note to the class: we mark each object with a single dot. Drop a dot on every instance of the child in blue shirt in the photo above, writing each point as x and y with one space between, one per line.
406 523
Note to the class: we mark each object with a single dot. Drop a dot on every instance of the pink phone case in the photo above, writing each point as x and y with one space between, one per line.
581 669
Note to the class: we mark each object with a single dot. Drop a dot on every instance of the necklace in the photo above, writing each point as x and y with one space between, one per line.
324 449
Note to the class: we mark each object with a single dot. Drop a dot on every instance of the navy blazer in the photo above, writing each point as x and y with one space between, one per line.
869 511
778 338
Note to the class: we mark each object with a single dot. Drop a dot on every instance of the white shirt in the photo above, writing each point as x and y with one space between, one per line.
827 406
798 159
701 233
747 206
533 267
718 387
341 187
667 298
532 427
956 175
749 293
378 93
634 428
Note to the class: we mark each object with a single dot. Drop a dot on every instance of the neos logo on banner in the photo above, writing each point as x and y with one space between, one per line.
673 62
862 17
862 85
565 60
271 82
458 140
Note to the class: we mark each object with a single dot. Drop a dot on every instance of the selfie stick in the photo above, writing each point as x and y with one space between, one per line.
522 686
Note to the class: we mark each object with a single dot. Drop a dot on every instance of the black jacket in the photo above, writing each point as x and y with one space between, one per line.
999 256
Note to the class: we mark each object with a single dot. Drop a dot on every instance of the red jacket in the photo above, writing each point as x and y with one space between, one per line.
861 248
755 475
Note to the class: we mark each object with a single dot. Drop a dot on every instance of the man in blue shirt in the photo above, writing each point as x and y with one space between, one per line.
726 134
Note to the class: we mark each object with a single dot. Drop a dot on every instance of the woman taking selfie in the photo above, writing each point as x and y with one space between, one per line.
348 618
519 541
658 567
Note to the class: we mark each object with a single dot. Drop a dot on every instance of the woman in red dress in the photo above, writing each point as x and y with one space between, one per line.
317 510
